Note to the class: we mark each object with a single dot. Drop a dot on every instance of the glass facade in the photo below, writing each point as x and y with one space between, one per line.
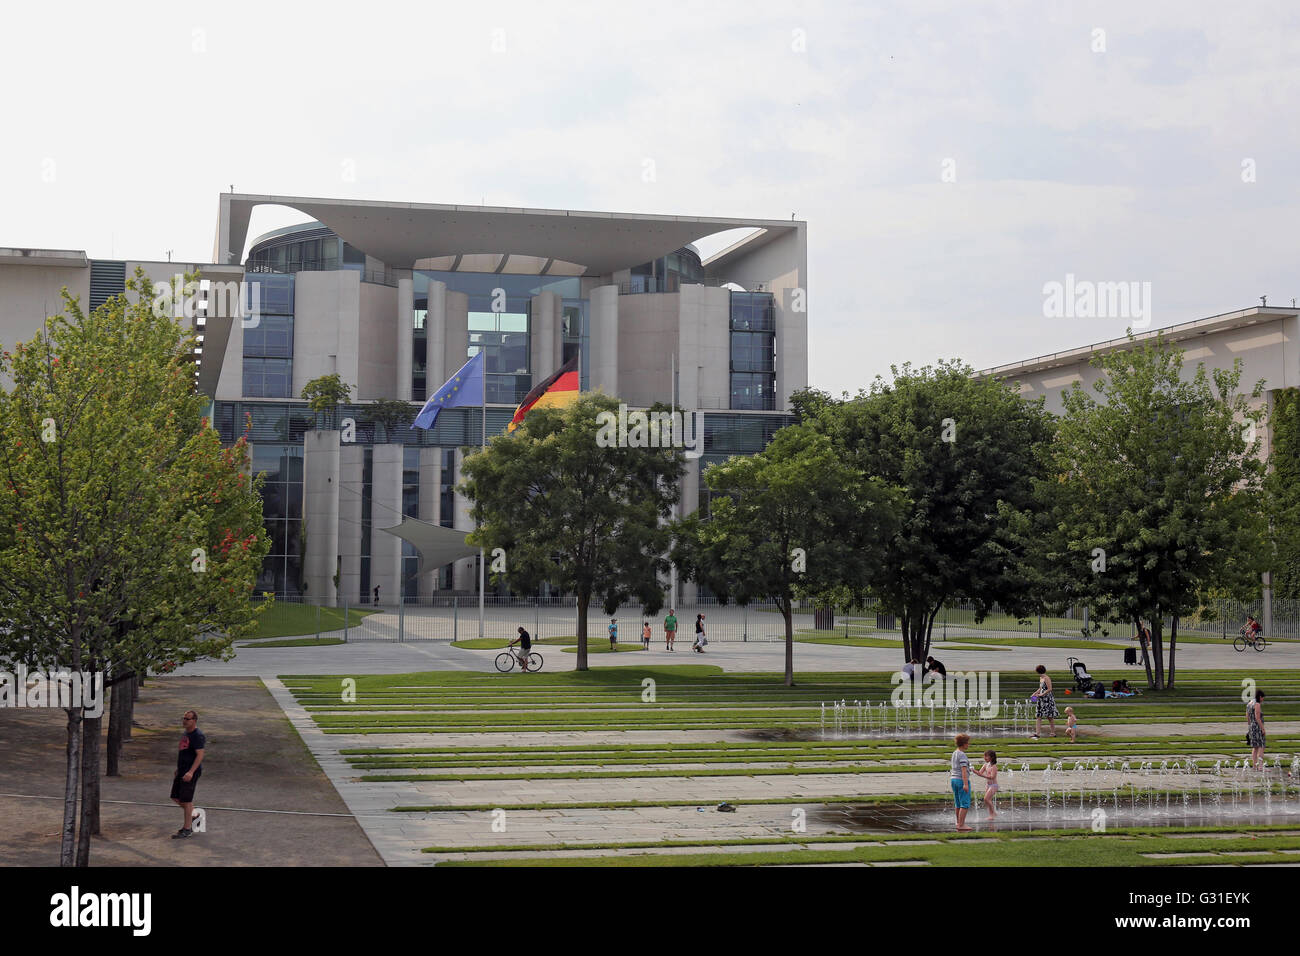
503 329
268 345
410 508
667 273
753 351
503 337
281 466
318 250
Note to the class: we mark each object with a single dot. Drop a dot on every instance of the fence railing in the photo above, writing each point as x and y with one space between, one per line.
455 617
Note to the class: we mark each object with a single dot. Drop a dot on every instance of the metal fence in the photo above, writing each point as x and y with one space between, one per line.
456 618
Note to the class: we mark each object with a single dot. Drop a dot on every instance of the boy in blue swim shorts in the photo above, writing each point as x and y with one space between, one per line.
961 781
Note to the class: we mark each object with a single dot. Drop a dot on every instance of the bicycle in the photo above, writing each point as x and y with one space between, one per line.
1252 640
506 661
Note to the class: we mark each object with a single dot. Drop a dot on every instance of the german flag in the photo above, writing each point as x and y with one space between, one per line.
559 390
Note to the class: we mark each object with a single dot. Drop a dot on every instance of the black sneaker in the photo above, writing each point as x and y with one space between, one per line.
182 834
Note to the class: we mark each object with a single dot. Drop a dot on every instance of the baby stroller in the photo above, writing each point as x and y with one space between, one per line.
1083 681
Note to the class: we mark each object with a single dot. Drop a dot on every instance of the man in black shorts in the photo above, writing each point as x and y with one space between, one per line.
188 771
525 645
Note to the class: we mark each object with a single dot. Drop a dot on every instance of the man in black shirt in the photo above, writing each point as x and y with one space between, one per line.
525 645
189 762
935 667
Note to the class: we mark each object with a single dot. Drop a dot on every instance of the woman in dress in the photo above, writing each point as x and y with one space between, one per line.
1255 730
1046 704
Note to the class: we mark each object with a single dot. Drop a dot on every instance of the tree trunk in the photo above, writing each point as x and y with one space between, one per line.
789 643
1173 649
583 599
90 729
1146 653
132 695
1157 649
71 788
118 715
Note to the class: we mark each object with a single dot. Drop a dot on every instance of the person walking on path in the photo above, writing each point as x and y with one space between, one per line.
376 595
1255 730
189 768
1046 704
645 635
700 639
961 781
670 628
613 633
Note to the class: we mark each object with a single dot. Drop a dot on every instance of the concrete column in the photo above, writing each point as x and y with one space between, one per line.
435 338
465 572
405 343
349 537
385 512
430 498
543 332
321 513
603 363
456 336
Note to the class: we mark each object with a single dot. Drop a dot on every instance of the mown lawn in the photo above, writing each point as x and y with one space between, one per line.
297 620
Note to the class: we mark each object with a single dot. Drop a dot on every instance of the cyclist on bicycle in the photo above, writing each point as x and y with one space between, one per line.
1251 629
525 645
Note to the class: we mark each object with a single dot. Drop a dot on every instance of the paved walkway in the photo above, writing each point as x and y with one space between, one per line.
386 657
398 837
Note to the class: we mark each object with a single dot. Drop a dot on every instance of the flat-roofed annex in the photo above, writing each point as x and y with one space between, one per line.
400 234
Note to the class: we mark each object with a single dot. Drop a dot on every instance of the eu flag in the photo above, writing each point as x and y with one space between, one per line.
463 388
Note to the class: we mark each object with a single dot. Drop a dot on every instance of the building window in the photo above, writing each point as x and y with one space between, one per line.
268 378
503 336
753 351
410 583
753 391
272 337
281 470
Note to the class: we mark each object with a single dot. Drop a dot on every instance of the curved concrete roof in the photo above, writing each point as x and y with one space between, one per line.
402 233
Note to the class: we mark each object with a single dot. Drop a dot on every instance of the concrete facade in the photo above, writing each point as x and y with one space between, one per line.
1265 340
354 301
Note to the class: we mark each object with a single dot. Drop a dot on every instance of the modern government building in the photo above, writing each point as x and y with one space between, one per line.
394 297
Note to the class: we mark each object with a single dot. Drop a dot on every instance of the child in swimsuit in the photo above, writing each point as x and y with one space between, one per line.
989 771
1071 724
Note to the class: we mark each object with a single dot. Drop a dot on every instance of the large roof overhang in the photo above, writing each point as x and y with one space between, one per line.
399 234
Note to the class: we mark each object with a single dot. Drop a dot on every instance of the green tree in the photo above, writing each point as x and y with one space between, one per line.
390 413
1283 488
1152 493
112 490
571 509
794 520
325 394
956 448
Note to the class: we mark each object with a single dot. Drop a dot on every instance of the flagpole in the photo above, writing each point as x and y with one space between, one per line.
672 590
482 567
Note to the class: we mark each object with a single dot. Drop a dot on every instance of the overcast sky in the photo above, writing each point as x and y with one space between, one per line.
1111 141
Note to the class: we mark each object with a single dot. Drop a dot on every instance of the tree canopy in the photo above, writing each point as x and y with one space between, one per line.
569 510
